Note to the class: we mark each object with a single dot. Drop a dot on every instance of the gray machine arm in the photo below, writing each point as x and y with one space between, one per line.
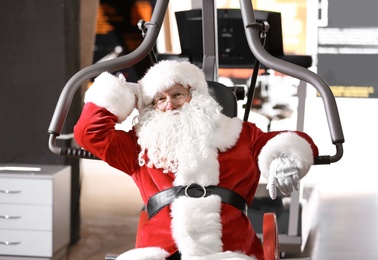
298 72
80 77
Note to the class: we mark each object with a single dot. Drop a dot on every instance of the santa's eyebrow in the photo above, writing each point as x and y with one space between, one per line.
181 90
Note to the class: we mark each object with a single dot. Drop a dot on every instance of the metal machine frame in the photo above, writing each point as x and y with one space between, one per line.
210 68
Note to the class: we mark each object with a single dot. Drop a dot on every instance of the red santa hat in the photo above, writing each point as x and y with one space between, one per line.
167 73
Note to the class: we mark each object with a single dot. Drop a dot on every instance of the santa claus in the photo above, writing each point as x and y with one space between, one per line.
197 169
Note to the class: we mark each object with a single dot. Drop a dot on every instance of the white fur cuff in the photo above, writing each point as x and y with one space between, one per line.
287 143
147 253
114 94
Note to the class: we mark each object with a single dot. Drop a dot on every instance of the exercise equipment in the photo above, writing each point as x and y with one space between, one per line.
210 68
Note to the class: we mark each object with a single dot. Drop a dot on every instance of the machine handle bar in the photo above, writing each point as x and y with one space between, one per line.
67 94
298 72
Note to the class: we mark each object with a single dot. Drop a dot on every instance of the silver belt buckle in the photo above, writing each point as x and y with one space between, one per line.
187 187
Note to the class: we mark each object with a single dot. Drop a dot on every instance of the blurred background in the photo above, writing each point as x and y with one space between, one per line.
44 43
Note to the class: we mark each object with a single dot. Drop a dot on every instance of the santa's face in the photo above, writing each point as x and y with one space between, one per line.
175 138
173 98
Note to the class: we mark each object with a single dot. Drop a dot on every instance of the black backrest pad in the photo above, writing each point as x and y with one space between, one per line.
225 97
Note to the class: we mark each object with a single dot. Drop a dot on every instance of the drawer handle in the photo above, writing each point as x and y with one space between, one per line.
8 243
9 217
10 191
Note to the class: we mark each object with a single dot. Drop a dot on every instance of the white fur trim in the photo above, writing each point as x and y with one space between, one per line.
147 253
114 94
221 256
284 144
166 73
196 225
228 134
205 171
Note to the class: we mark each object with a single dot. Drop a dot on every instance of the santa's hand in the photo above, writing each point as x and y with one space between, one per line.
284 174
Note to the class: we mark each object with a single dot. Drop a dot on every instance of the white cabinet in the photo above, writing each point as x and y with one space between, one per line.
34 211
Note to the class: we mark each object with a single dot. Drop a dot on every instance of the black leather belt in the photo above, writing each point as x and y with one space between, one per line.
166 197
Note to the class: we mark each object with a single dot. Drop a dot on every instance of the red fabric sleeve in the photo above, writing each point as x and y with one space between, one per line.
95 131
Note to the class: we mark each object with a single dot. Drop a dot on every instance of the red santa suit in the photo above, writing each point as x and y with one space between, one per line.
200 228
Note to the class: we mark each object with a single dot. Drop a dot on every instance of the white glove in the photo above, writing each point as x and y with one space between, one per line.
114 94
283 173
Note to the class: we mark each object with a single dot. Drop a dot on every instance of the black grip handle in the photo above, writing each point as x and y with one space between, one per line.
77 153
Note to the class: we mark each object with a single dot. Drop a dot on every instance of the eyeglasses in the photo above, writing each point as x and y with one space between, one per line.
177 98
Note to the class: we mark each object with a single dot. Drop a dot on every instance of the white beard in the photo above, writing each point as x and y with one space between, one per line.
181 141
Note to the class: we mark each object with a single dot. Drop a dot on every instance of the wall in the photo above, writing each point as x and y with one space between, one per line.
40 50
